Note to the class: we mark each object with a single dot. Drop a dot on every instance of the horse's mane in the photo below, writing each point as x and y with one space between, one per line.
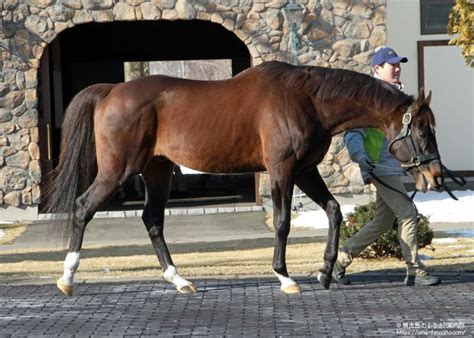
329 84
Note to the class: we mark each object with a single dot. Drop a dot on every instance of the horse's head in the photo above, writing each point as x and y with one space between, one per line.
414 144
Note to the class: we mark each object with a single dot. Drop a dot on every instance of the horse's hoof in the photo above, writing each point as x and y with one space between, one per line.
65 288
187 289
291 289
324 280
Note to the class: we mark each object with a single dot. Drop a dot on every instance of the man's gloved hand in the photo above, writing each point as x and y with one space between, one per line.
366 163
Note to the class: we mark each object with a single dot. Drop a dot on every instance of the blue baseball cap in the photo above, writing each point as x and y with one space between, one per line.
386 55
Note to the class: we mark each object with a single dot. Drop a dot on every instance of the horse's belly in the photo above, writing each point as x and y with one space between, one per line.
219 164
214 157
208 140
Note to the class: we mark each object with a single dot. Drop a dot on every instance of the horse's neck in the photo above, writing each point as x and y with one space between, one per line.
347 114
358 117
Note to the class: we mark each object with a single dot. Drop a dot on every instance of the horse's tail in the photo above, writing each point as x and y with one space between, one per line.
77 166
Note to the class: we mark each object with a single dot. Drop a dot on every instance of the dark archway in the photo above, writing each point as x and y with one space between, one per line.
95 52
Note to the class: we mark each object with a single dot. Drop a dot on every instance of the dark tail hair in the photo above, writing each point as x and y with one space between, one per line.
77 166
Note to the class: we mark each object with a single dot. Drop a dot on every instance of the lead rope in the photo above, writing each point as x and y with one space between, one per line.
459 180
375 177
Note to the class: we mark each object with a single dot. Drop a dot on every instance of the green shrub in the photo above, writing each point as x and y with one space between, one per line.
387 245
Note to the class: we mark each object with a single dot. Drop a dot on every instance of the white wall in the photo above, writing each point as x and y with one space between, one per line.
446 74
453 105
403 33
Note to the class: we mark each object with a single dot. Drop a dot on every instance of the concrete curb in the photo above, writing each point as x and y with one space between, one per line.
168 212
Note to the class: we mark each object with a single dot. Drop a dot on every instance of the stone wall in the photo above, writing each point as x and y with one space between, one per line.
337 33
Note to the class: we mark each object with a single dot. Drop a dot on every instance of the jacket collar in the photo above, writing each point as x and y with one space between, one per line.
399 86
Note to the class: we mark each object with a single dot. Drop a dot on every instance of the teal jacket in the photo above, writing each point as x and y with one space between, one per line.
363 142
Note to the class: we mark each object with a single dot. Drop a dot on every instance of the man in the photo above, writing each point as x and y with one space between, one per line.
369 148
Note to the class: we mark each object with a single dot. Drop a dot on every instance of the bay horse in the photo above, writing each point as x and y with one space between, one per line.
275 117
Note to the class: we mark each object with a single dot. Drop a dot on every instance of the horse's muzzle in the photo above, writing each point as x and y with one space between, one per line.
427 178
436 183
439 180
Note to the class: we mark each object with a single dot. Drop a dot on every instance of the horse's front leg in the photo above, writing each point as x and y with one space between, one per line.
314 187
282 191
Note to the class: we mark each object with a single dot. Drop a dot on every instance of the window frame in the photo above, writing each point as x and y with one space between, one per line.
424 6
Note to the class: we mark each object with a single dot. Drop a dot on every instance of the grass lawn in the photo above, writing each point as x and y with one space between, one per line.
229 259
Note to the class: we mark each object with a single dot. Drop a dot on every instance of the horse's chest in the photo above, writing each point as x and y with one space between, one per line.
315 150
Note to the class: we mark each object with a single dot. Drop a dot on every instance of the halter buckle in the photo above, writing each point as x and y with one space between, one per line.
406 118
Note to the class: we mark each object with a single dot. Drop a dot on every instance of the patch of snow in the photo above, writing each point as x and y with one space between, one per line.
317 219
439 207
445 240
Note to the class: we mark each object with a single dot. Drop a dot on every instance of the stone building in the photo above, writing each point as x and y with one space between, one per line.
52 48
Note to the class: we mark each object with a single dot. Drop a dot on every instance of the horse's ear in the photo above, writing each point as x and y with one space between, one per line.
420 100
428 99
421 94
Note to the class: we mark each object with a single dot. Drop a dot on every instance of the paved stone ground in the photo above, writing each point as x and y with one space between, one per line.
374 305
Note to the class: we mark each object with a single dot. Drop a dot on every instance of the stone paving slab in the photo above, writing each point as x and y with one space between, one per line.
375 305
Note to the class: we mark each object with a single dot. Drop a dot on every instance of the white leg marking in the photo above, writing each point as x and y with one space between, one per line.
285 281
71 263
172 276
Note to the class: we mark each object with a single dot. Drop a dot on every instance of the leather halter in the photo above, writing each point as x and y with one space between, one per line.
416 158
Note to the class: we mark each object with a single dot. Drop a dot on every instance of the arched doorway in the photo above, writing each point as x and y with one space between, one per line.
96 52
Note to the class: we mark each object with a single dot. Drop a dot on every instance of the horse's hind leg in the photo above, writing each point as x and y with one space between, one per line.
157 176
314 187
87 204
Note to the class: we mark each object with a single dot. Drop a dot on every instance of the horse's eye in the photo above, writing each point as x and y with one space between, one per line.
421 134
